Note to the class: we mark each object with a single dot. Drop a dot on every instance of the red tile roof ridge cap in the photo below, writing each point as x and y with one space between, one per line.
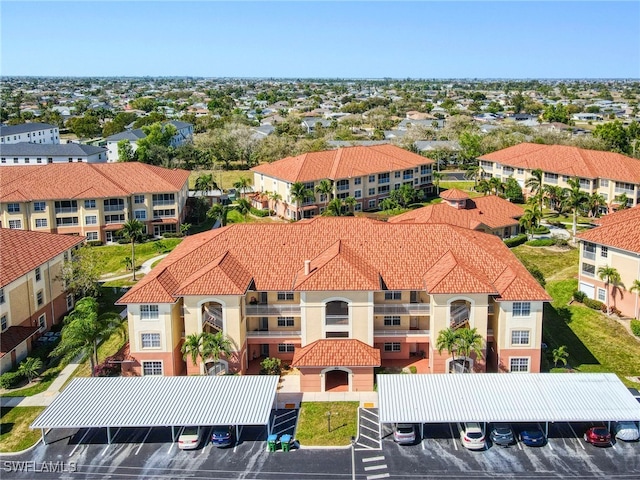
588 165
206 268
308 349
336 163
323 258
447 253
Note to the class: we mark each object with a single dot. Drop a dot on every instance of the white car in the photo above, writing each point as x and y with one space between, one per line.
472 436
190 438
627 431
404 433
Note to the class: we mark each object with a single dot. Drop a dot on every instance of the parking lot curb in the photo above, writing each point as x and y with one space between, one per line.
26 450
318 447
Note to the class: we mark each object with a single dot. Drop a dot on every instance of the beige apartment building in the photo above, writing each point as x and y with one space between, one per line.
336 297
92 200
366 173
609 174
32 297
615 243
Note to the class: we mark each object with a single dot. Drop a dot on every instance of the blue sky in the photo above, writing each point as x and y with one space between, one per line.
365 39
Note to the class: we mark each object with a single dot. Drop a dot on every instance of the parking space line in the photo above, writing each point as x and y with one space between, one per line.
373 459
374 477
374 467
105 450
519 444
78 444
145 438
422 443
576 435
455 444
369 438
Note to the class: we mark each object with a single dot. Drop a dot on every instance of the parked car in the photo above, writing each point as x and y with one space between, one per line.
404 433
222 436
502 435
190 438
472 436
599 436
627 431
533 437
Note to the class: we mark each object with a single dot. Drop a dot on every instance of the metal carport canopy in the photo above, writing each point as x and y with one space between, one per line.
156 401
501 397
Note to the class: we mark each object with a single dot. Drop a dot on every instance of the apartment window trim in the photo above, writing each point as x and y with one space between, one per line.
38 274
70 302
392 320
154 368
392 347
149 312
286 348
40 298
13 207
520 337
393 295
4 322
42 223
519 364
604 251
150 340
285 296
286 322
2 298
521 309
42 322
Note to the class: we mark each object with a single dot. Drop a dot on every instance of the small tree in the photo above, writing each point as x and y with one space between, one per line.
448 340
609 275
80 273
270 366
560 355
125 151
184 228
30 367
132 230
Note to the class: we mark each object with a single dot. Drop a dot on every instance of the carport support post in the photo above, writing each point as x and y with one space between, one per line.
109 435
421 431
44 438
173 434
237 437
546 429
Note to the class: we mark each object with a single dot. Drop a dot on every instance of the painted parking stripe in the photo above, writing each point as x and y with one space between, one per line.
143 440
374 477
374 467
576 435
373 459
453 437
368 438
78 444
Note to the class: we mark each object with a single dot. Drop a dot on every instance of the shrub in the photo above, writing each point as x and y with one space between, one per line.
579 296
270 366
595 304
413 369
94 243
515 241
10 379
172 235
541 230
541 242
635 327
259 213
561 242
537 274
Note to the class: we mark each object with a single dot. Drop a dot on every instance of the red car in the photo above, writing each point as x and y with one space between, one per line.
599 436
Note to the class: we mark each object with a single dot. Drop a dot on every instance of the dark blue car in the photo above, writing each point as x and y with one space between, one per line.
533 438
222 436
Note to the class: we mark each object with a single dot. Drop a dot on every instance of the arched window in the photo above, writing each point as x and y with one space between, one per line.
336 319
459 313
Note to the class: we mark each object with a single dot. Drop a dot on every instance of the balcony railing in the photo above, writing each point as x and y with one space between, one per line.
589 255
275 310
273 333
459 316
157 203
66 209
113 208
400 333
402 309
212 316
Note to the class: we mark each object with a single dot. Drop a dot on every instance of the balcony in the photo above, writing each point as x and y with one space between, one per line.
459 316
273 333
414 309
588 255
160 203
213 317
401 333
66 209
275 310
113 208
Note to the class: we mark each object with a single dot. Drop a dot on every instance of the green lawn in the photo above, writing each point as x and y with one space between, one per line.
107 348
313 426
15 434
464 185
224 178
110 257
555 265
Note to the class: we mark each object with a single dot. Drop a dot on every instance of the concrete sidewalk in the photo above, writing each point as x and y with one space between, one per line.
145 268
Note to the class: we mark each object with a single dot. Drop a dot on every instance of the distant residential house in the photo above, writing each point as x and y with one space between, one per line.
262 131
29 133
312 122
183 135
587 117
436 123
32 296
43 153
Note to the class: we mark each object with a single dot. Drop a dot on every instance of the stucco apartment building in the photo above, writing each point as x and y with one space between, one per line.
92 200
489 214
41 154
366 173
336 297
606 173
615 243
32 298
42 133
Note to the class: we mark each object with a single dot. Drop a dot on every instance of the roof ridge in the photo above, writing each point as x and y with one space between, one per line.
336 162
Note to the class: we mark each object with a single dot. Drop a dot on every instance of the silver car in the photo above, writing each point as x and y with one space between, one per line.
627 431
404 433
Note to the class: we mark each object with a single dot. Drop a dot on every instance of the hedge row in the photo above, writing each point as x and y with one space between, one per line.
515 241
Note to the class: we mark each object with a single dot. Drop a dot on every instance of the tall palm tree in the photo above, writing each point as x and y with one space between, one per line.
214 345
132 231
553 193
483 186
351 203
530 219
192 347
242 185
84 329
325 189
575 200
243 207
300 194
437 176
622 201
609 275
448 340
334 208
496 184
205 183
595 201
635 287
469 341
474 172
30 367
219 211
275 197
534 184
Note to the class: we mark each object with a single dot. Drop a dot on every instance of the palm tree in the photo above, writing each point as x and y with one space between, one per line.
334 208
300 194
325 189
575 199
275 197
184 228
483 187
243 206
622 201
474 172
469 341
448 340
205 183
635 287
83 329
534 184
609 275
560 355
192 347
242 185
215 345
496 184
595 201
531 219
30 367
219 212
132 230
437 176
554 194
351 203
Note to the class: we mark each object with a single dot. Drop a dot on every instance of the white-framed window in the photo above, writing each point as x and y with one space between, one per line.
41 223
286 348
520 337
357 194
392 347
91 220
357 181
604 182
149 312
372 179
2 300
521 309
39 206
39 298
42 322
519 364
69 302
602 295
13 207
15 224
150 340
89 204
152 368
66 221
140 214
604 251
38 274
4 323
393 295
285 321
285 296
391 320
588 269
138 199
91 236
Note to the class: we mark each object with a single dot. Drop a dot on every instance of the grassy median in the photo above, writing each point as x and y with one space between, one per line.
15 434
315 428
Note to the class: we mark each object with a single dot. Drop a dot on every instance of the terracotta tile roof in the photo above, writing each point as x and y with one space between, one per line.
14 336
345 253
620 230
571 161
342 163
21 251
336 353
492 211
86 180
454 194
